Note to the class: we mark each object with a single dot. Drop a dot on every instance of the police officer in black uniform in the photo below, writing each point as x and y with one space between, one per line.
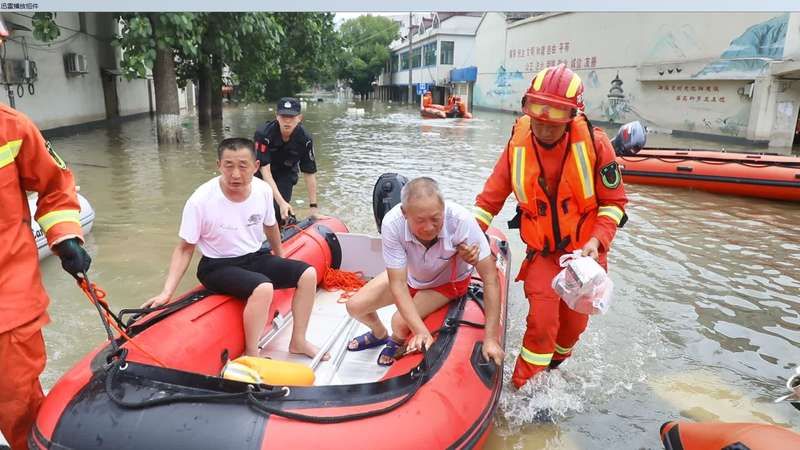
285 148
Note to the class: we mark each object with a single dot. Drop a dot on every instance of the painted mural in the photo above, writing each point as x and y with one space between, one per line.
690 72
752 50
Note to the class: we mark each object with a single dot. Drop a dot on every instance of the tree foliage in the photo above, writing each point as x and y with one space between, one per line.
366 42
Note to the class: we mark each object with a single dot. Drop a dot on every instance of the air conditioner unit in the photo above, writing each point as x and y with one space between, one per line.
75 63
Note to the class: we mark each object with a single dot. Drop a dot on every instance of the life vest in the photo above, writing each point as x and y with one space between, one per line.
564 220
427 100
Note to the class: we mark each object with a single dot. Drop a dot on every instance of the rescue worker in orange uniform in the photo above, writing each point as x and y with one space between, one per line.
28 164
570 197
427 99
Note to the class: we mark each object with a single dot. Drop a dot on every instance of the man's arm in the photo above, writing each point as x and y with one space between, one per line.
611 198
495 191
181 257
308 165
285 207
311 186
491 296
398 285
274 237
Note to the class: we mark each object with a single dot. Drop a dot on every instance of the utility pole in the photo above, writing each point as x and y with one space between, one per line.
410 59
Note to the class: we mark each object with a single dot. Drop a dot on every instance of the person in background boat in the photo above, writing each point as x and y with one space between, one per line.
284 148
427 99
570 196
28 163
228 218
423 238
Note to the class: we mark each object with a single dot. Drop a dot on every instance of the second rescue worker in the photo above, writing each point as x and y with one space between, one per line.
570 196
284 148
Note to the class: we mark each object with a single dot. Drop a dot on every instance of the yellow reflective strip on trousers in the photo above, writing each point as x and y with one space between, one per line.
584 168
9 152
537 359
52 218
562 351
482 215
518 173
614 212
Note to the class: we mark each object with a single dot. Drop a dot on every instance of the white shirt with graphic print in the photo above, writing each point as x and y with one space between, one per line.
222 228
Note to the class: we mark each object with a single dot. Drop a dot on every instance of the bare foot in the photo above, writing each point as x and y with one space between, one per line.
307 349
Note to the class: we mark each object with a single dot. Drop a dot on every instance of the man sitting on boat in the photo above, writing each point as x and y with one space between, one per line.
228 218
424 241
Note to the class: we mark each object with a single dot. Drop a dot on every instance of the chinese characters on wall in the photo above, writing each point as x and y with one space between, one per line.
684 93
550 55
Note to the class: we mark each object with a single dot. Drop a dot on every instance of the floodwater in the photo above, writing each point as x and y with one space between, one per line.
705 323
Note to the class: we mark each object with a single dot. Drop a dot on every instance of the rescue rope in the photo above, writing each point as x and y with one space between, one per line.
257 397
96 296
348 282
336 279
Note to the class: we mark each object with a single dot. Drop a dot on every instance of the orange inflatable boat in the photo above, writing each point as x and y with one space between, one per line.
455 108
752 175
124 399
727 436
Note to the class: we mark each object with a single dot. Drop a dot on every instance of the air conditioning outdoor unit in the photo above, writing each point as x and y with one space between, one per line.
75 63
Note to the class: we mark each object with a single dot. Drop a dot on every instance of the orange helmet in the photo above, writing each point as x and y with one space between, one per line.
554 94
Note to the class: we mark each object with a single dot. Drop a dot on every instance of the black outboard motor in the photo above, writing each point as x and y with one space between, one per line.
386 194
630 138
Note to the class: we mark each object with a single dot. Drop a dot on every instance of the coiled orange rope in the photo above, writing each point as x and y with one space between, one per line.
335 279
349 282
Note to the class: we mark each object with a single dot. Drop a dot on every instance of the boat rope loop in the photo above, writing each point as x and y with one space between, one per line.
710 161
258 396
96 296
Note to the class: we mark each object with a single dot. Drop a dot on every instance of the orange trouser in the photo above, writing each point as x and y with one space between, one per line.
553 328
22 359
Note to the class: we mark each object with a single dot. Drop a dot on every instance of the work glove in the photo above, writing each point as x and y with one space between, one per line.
74 258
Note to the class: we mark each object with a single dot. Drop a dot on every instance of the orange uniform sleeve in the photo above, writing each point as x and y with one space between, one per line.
611 197
495 191
42 170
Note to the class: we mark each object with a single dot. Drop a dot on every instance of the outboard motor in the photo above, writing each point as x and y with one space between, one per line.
386 194
793 385
630 138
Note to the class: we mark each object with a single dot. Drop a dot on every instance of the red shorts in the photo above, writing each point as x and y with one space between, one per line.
452 290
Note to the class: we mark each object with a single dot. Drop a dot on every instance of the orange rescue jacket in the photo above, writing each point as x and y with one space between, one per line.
27 164
589 200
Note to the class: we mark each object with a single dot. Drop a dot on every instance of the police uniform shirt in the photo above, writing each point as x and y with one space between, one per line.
284 158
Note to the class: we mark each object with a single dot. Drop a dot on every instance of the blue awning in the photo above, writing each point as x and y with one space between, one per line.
464 74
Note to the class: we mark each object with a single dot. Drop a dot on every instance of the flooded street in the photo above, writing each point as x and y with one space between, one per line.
705 323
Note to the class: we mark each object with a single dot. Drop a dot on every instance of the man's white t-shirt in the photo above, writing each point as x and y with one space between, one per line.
222 228
429 268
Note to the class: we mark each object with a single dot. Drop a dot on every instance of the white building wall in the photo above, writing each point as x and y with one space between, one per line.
672 65
62 99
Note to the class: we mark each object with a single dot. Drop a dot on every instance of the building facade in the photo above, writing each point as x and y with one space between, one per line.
440 44
76 78
725 75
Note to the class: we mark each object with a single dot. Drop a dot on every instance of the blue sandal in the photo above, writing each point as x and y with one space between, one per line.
392 348
365 341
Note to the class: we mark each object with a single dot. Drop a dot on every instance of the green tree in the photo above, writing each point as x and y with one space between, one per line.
151 40
304 54
366 42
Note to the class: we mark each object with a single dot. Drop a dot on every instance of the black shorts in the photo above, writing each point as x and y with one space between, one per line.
240 276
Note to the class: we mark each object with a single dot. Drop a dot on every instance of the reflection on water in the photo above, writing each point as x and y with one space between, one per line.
705 321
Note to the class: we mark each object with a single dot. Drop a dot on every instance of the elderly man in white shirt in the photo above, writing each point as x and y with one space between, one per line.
426 245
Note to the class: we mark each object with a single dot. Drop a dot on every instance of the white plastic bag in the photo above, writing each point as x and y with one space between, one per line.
583 284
